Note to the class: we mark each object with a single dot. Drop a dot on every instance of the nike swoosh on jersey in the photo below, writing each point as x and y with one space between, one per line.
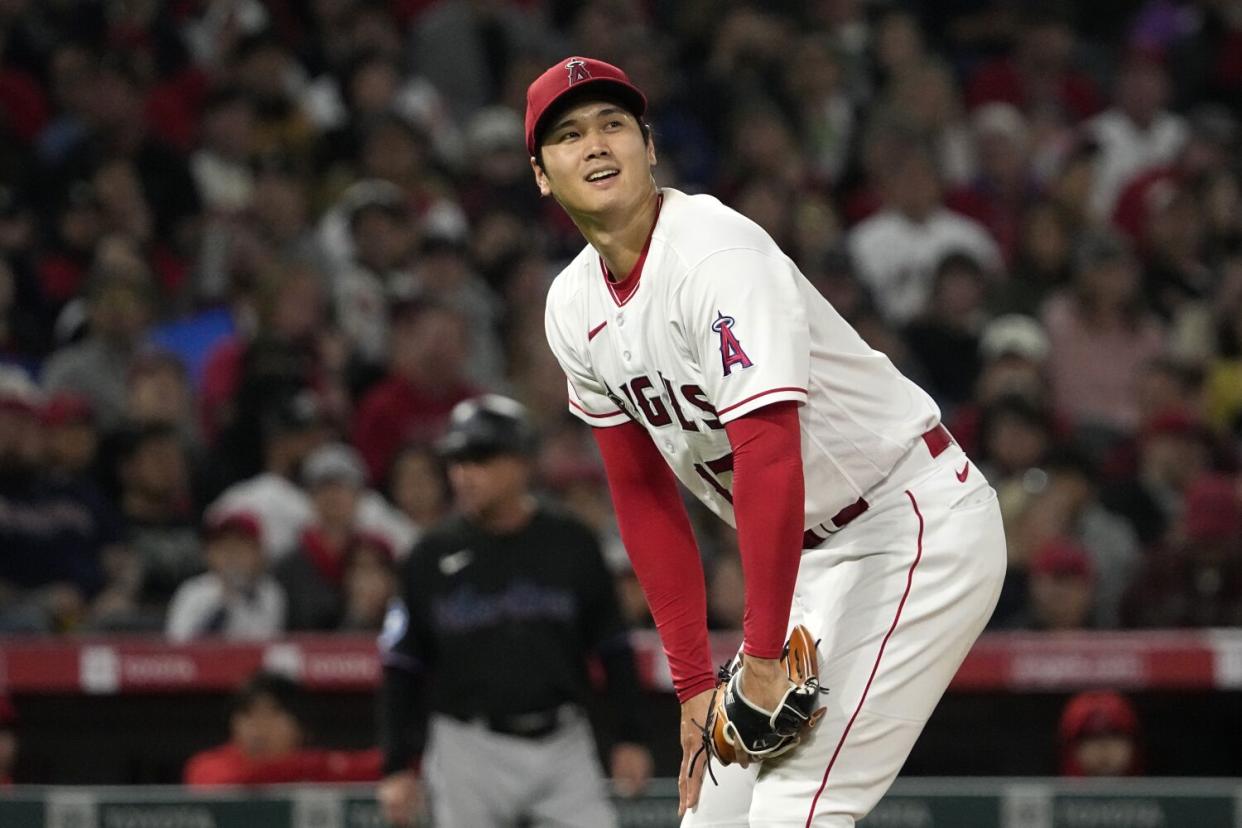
591 333
456 562
963 474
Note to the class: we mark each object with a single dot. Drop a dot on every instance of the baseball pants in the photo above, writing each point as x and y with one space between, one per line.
896 598
477 778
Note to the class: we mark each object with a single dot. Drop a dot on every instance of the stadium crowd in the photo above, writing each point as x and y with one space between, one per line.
253 251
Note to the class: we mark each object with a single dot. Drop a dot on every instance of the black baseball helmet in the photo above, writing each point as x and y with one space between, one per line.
483 427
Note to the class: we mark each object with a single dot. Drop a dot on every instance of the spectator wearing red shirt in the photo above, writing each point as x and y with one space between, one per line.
1003 186
1039 74
1209 149
1173 450
427 358
266 744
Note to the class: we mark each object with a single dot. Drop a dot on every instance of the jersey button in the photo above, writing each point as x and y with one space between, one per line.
620 320
668 446
625 355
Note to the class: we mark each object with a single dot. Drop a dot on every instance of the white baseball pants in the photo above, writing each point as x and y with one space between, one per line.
896 597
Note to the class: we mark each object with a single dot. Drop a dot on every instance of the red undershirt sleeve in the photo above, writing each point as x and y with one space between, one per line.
768 504
657 535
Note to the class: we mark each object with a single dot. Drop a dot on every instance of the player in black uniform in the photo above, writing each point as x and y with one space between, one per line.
486 657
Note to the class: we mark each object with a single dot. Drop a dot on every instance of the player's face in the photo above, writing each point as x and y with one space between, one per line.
595 160
485 486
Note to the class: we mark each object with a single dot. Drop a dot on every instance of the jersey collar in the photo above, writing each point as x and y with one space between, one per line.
622 291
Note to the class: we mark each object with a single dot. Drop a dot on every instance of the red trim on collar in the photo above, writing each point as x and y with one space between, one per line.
623 290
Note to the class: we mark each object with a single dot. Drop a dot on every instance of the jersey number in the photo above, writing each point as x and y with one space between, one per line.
711 470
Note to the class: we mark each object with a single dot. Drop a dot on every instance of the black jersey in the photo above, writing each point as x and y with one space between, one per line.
498 627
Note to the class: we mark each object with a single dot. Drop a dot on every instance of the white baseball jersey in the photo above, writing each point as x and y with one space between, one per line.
720 323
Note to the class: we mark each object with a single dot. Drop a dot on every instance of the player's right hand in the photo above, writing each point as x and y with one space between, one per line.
693 716
400 798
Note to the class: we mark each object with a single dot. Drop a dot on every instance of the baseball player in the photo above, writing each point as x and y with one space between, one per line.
701 354
486 656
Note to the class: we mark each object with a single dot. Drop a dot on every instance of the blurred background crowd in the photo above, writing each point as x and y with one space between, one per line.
253 251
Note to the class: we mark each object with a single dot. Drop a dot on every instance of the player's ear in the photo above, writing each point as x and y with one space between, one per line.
541 177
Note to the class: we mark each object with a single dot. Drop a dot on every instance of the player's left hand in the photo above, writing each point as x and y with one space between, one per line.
763 708
764 681
631 768
694 713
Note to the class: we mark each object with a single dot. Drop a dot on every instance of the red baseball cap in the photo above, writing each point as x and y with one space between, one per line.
571 75
1096 713
225 521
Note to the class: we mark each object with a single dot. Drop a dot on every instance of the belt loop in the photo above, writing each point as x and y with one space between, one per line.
841 518
937 440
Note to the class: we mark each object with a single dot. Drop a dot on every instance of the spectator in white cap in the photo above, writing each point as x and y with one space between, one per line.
1014 334
334 476
496 165
1013 352
445 274
1002 188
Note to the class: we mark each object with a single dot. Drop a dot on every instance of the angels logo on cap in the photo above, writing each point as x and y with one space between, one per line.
577 71
570 77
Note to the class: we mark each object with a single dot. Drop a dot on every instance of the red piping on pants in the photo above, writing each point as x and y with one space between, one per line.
875 667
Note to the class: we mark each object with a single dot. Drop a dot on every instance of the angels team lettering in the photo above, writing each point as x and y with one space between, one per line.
686 405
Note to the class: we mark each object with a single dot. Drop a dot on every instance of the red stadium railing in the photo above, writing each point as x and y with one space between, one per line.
1013 662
